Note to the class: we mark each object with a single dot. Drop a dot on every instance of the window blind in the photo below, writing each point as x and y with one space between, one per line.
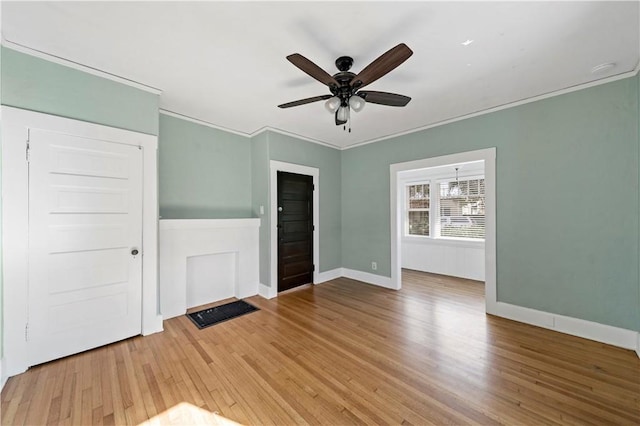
462 206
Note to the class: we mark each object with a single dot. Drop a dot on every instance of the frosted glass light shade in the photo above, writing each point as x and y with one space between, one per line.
332 104
343 113
356 103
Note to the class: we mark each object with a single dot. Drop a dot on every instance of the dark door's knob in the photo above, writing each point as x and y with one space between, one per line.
134 252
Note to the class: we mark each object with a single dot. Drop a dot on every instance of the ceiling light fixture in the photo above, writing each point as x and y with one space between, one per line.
332 104
455 190
467 42
342 105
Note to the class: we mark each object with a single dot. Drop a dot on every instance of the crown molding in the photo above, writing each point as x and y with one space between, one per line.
78 66
100 73
244 134
295 135
202 122
564 91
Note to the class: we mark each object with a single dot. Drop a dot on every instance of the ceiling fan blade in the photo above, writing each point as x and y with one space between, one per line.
381 66
384 98
305 101
312 69
339 122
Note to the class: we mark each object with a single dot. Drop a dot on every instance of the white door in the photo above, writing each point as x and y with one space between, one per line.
85 224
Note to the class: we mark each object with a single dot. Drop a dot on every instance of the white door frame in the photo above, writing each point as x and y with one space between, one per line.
15 223
279 166
489 157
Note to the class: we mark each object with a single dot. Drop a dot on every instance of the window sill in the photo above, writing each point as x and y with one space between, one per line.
444 241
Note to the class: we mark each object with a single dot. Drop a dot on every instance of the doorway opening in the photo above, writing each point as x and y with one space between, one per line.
406 173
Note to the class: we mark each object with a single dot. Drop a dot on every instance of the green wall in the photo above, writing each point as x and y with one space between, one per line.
269 146
260 197
567 200
204 173
38 85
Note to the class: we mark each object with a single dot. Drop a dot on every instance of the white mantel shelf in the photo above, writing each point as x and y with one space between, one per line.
194 250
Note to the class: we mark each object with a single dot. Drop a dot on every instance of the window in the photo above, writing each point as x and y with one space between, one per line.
458 208
462 208
418 201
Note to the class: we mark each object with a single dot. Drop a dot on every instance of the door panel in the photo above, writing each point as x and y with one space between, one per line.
85 217
295 230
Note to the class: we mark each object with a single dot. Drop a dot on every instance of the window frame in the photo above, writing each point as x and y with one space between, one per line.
434 211
408 209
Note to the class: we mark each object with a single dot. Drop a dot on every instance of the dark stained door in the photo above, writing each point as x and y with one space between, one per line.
295 230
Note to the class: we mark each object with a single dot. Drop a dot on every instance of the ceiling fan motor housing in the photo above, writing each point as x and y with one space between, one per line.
344 89
344 63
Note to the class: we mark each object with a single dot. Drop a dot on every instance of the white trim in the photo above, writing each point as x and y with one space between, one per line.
15 222
209 223
78 66
329 275
245 134
275 167
537 98
369 278
202 122
151 316
3 378
487 155
294 135
602 333
266 291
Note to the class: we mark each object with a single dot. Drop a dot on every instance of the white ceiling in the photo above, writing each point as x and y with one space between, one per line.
224 62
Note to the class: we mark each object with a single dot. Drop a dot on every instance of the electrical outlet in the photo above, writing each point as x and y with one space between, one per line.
261 210
374 265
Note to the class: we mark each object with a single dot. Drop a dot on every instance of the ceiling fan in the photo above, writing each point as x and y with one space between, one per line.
345 86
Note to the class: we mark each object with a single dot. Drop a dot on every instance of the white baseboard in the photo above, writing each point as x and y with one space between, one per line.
266 291
325 276
251 292
3 379
368 278
621 337
155 327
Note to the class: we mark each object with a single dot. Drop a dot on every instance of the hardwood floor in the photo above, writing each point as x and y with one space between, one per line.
340 353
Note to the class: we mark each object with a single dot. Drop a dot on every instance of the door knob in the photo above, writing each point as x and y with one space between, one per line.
279 209
134 252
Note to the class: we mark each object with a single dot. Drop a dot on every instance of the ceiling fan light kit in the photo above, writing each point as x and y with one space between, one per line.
345 86
332 104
